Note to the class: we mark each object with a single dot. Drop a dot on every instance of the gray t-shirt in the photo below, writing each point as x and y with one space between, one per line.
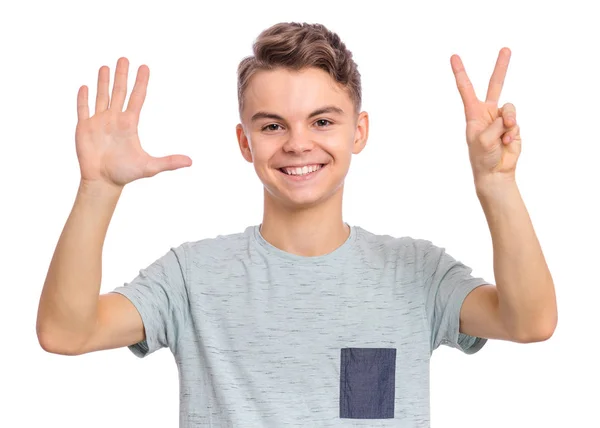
265 338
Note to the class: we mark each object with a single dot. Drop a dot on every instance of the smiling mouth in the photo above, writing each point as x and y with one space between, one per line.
301 170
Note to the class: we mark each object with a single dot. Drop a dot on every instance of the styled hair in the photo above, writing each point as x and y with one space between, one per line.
297 46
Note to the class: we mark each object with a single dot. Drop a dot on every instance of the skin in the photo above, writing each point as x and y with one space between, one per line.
72 317
522 306
304 218
301 217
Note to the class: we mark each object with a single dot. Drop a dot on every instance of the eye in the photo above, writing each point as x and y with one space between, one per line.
271 127
323 123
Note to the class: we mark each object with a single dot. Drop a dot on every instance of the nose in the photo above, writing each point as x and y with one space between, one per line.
298 141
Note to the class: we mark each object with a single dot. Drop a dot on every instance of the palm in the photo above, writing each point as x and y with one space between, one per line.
109 149
487 155
107 144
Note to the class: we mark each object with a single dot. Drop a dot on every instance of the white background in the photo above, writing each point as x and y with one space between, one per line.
413 178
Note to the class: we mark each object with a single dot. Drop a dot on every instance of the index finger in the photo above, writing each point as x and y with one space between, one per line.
138 93
465 87
497 79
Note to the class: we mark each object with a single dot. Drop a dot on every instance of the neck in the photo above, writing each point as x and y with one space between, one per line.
308 232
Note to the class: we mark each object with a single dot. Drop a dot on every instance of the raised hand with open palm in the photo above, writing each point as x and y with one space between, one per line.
492 133
107 144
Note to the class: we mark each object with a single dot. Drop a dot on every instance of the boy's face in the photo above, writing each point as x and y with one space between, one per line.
297 122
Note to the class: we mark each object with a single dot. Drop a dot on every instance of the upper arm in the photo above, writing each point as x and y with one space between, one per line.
480 314
118 324
447 283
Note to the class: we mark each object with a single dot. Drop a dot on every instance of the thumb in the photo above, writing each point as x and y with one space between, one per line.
492 133
166 163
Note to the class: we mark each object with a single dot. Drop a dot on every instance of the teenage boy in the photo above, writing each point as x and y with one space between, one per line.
303 320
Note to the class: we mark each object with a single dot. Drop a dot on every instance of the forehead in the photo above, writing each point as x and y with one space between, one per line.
291 93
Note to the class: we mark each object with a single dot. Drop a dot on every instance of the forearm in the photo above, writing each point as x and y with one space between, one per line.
527 301
69 299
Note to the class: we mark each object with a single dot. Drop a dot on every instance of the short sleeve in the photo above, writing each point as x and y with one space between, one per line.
446 283
159 294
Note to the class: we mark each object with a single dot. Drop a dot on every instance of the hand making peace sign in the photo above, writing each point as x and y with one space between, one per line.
492 133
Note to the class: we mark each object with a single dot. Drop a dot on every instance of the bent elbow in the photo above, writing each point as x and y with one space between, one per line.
51 344
539 334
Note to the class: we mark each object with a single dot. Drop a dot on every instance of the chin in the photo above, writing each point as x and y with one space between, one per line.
302 203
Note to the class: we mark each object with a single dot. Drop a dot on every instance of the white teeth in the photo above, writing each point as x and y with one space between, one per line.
307 169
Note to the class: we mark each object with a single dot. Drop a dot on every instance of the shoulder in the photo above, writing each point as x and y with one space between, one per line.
218 247
389 243
392 248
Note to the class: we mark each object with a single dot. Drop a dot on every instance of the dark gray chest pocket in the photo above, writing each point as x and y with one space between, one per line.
367 383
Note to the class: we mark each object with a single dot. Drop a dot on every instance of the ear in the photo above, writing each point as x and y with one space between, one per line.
362 132
243 142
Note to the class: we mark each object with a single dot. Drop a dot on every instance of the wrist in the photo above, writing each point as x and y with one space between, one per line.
492 186
99 190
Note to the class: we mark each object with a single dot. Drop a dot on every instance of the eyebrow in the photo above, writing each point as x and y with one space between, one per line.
322 110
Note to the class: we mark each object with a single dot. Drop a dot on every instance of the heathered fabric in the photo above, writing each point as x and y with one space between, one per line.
265 338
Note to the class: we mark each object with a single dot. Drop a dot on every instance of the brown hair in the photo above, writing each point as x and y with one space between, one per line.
297 46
